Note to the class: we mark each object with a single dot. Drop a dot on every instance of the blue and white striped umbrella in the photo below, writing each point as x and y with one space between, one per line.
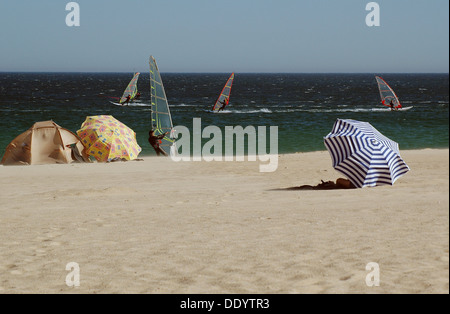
364 155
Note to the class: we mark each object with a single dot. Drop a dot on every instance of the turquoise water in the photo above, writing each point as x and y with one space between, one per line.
303 106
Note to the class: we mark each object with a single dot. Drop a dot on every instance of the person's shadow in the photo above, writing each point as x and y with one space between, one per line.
325 185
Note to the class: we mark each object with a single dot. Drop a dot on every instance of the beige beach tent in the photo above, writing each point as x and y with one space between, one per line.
45 143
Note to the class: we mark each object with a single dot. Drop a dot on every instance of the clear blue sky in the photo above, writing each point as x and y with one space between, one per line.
224 36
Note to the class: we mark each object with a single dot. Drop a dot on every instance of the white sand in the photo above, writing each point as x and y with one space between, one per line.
156 226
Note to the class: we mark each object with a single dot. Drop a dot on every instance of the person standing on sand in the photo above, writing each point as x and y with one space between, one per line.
155 140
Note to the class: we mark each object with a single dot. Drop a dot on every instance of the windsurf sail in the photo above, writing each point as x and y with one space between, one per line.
387 94
131 89
161 118
224 97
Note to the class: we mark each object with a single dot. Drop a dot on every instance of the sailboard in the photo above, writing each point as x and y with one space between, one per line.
388 96
160 112
224 96
130 90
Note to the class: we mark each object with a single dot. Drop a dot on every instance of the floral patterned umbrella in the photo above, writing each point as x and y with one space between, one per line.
106 138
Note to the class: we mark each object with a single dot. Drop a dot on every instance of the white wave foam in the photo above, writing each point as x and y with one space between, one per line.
183 105
262 110
323 110
134 104
227 111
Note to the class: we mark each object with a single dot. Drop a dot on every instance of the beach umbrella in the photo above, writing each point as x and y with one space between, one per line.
364 155
106 138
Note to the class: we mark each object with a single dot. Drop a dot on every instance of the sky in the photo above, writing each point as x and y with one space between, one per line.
262 36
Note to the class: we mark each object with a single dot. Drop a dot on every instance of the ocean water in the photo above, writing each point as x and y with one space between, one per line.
303 106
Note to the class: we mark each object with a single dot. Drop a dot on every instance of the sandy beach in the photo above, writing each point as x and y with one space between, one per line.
158 226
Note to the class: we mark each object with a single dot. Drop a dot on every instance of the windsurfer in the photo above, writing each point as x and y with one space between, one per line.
138 95
391 104
224 104
127 100
155 140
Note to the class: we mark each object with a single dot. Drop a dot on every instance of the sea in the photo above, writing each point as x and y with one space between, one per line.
304 107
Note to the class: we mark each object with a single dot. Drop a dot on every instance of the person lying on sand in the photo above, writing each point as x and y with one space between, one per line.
341 183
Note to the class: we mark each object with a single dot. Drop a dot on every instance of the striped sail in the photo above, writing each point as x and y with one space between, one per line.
131 89
224 96
387 94
364 155
161 118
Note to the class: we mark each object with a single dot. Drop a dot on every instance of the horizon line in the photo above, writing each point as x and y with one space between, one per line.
174 72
